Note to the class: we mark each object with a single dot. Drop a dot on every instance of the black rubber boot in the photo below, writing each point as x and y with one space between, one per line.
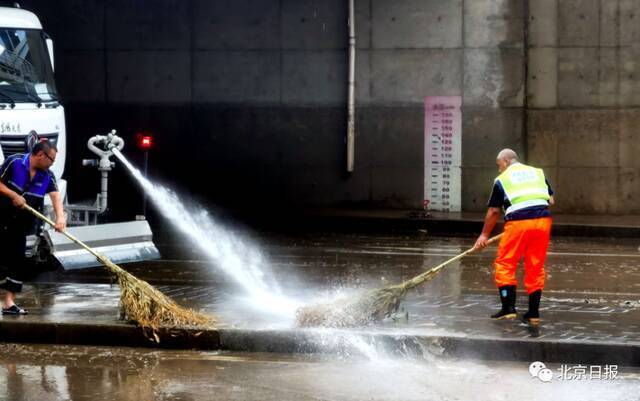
532 317
508 299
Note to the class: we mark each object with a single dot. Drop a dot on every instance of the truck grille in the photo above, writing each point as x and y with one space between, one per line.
12 144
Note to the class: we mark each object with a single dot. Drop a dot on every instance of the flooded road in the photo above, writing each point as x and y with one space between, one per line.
592 290
93 373
329 260
592 294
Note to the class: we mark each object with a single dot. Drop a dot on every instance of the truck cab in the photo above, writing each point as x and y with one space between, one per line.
29 102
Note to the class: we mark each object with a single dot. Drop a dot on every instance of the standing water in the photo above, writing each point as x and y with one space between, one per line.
239 259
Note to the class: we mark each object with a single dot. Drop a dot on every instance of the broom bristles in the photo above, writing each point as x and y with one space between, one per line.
149 308
367 308
140 302
372 306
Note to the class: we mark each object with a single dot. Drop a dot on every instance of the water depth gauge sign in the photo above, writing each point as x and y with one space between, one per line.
442 156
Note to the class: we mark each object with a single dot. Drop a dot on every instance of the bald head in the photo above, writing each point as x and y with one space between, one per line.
505 158
507 155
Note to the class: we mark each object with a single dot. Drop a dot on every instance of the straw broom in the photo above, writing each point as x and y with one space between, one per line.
141 302
371 306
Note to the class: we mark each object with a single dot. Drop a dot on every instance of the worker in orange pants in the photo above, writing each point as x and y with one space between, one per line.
525 195
528 239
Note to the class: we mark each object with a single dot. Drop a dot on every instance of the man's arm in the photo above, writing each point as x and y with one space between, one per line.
494 211
490 220
7 170
18 201
61 219
552 201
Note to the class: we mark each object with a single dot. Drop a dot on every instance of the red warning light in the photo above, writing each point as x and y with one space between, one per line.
145 141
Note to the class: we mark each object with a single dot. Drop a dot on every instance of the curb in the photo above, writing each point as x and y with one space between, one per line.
126 335
421 346
325 341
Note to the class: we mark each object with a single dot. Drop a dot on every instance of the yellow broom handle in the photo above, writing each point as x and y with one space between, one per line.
64 232
418 279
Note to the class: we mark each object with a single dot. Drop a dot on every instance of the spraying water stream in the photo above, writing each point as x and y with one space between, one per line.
239 259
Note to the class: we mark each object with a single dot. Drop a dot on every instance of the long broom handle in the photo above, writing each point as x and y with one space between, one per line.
64 232
417 280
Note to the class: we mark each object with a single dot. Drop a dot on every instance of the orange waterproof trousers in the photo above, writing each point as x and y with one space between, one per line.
528 238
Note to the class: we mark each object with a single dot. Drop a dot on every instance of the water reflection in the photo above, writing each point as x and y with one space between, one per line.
45 373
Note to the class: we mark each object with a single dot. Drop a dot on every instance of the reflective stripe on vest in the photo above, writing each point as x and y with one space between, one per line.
524 186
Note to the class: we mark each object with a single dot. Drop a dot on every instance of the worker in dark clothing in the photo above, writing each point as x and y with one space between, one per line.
24 179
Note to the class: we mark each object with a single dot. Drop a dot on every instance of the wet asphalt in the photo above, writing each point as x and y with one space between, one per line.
593 291
33 372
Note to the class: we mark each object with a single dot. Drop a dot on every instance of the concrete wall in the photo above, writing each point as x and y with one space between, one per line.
584 97
253 92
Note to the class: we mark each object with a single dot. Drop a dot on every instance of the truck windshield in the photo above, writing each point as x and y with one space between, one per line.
26 75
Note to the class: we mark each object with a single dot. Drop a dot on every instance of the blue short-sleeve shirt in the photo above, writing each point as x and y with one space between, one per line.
14 173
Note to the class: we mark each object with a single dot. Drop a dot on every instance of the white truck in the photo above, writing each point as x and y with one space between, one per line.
30 109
